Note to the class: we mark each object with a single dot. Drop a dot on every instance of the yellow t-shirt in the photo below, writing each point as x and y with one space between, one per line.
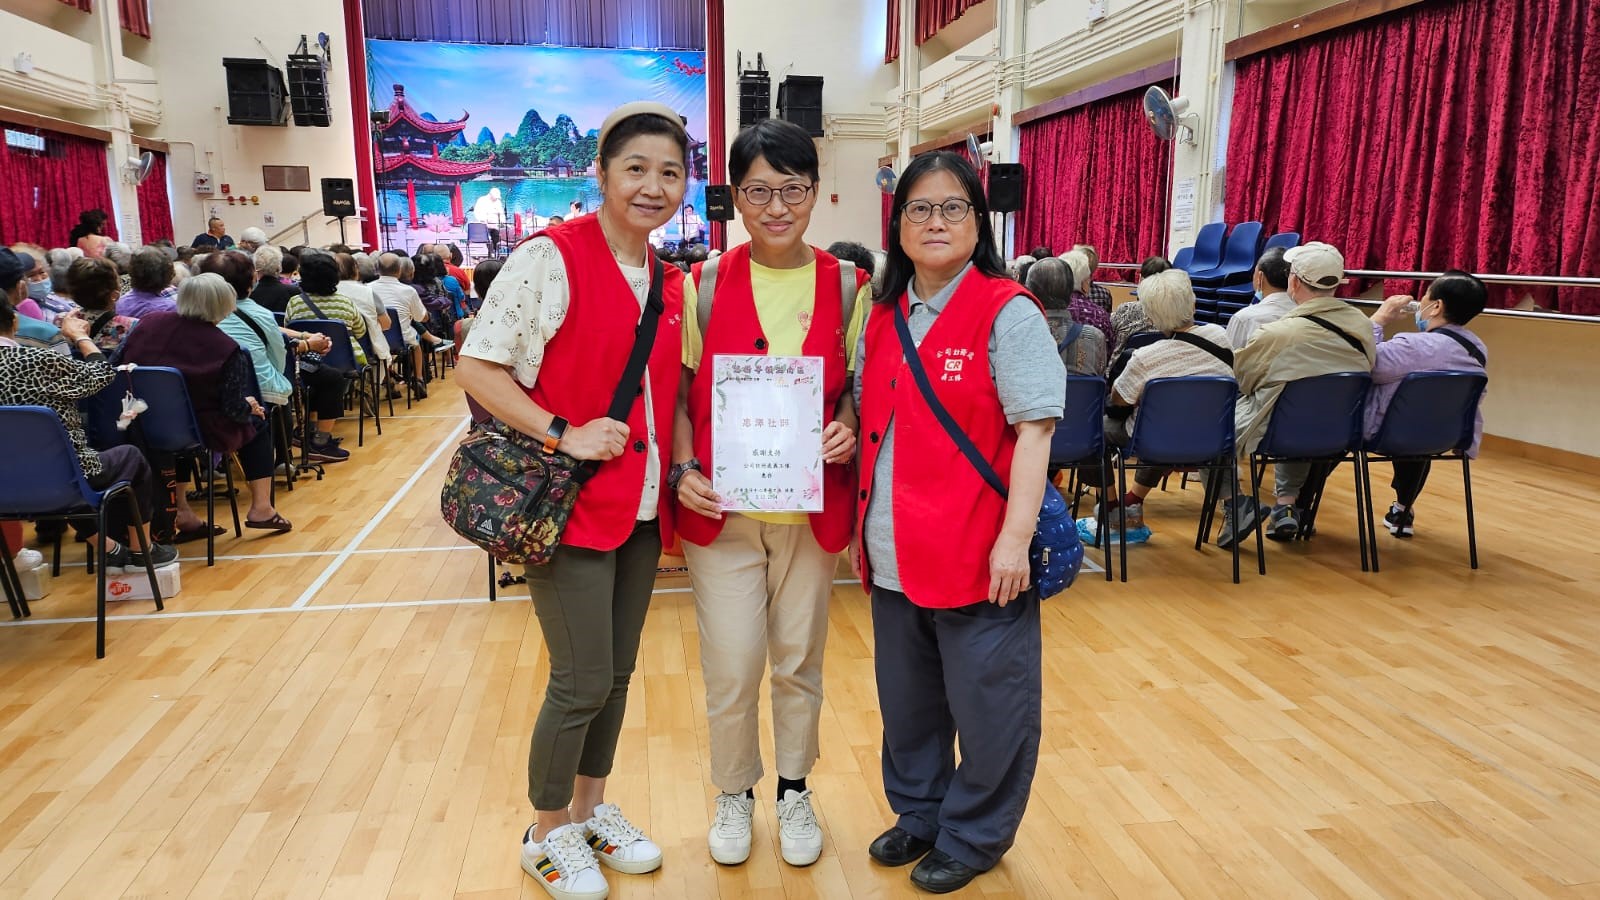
785 299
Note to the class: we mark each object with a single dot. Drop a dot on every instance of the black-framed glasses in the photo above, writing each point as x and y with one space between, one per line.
790 194
952 211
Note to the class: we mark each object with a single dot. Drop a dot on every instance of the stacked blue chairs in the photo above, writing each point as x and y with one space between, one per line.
1234 297
1236 266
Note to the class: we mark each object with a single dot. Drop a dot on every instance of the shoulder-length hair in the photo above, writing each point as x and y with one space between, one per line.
986 256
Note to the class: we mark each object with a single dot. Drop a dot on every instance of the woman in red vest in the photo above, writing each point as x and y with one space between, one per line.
545 357
955 626
762 580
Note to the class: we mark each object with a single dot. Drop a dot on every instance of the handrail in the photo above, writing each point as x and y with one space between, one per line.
302 224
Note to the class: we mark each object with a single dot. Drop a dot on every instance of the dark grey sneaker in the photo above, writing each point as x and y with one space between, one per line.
1399 520
115 562
161 556
1283 524
1238 521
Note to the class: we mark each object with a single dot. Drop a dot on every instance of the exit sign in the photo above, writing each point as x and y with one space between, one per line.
22 140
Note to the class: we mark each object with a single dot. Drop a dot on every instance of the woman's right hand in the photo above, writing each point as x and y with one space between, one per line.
598 439
696 495
319 343
74 327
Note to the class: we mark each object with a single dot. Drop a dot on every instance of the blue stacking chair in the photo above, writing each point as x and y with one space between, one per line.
41 479
342 357
279 317
1432 415
169 426
1284 239
1238 260
1316 420
1207 249
398 350
1182 258
1233 297
374 371
1184 423
1080 439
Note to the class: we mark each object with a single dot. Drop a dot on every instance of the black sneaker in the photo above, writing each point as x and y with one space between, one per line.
324 449
162 556
419 391
1283 524
115 561
1238 522
1399 520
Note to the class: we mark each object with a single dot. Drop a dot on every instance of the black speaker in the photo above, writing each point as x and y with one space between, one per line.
255 93
719 203
1006 182
308 91
755 97
338 197
800 102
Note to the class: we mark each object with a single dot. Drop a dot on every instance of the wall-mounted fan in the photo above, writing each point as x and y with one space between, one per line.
885 179
137 168
1167 114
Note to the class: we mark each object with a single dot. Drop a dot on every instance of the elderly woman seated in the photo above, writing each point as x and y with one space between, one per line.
221 380
1082 347
94 285
1185 349
1084 307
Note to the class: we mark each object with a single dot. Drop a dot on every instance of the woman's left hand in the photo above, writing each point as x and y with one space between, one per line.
838 443
256 408
1008 568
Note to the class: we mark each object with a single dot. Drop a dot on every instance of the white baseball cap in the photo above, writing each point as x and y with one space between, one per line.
1317 264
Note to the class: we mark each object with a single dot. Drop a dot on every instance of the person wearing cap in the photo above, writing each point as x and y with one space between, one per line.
545 358
1322 335
762 580
32 266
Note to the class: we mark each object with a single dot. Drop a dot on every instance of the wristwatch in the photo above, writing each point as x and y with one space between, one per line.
552 436
678 470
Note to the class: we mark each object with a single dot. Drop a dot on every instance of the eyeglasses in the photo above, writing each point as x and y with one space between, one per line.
952 211
790 194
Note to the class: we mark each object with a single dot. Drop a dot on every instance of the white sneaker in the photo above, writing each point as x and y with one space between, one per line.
730 830
28 560
799 835
618 843
564 865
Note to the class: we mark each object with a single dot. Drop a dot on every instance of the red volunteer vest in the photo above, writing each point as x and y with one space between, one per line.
734 328
581 368
946 518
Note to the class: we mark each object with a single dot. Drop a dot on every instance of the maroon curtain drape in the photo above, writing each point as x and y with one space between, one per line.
135 16
934 15
1450 134
1096 175
84 5
891 39
41 194
155 206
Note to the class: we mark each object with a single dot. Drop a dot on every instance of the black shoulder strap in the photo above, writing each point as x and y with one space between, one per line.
1071 338
963 443
1357 345
101 321
1222 353
309 302
644 341
1470 347
254 326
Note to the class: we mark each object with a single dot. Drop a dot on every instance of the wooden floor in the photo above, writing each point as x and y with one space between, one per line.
338 713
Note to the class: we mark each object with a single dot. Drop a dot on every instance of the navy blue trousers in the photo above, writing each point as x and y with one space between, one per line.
968 676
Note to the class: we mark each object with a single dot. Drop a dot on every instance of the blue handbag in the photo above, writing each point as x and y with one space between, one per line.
1056 553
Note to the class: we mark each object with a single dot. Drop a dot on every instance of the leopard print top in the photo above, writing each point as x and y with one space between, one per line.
30 376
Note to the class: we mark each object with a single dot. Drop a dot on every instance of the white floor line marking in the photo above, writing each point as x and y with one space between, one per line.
372 525
304 553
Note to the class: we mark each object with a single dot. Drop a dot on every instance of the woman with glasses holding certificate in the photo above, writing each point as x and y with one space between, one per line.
953 350
763 449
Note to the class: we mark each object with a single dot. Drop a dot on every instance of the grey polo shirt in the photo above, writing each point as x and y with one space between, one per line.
1028 374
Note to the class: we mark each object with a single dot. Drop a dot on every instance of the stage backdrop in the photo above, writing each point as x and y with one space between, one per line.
469 118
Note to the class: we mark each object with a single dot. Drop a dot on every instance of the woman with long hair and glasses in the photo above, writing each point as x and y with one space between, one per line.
545 357
944 555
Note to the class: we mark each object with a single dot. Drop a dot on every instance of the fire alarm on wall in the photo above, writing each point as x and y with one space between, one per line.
227 188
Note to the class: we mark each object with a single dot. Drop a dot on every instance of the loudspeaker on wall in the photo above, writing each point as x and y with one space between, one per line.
1006 183
719 203
338 197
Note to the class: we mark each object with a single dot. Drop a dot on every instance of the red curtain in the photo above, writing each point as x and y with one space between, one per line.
155 206
891 39
135 16
80 4
41 194
1096 175
1450 134
934 15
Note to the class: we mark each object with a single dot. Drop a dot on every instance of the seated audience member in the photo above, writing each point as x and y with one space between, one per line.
1084 309
483 277
1272 299
849 251
32 261
95 286
366 302
30 376
402 300
1019 268
1039 252
150 273
252 239
1322 335
319 298
1186 349
221 378
31 331
451 256
272 291
425 270
1082 348
60 303
215 236
367 266
1098 293
1441 343
1129 319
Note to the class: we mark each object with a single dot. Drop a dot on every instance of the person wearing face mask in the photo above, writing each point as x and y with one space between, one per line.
955 622
762 580
59 301
1272 299
32 260
1442 343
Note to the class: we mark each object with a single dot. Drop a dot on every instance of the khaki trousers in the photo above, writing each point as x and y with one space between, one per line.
761 592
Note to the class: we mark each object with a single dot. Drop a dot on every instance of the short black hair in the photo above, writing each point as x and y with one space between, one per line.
639 126
151 270
1153 265
319 272
455 254
290 264
852 252
483 275
1040 252
1274 268
1026 266
236 268
1464 295
784 145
